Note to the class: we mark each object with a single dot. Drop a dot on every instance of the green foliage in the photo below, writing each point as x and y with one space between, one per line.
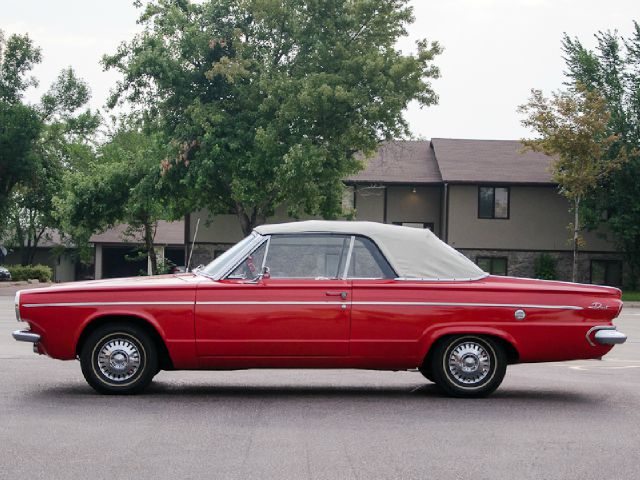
20 125
165 266
28 272
544 267
613 70
37 144
265 102
630 296
572 127
123 185
18 56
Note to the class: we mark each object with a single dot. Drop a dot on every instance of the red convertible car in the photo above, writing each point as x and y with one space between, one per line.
321 294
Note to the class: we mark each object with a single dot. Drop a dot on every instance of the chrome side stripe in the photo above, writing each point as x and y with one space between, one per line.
100 304
463 304
274 303
409 304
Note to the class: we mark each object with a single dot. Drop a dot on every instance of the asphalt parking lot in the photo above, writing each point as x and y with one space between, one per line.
575 420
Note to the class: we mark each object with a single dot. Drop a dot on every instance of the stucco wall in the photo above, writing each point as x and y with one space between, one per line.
423 206
370 204
538 220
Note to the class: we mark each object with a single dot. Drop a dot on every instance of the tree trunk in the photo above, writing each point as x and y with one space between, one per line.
249 222
576 236
149 234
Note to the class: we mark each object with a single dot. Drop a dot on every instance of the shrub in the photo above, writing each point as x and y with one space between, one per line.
20 272
544 267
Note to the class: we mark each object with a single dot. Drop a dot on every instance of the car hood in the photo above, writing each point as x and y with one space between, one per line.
159 281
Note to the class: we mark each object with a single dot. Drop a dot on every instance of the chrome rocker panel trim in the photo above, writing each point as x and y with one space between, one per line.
26 336
606 335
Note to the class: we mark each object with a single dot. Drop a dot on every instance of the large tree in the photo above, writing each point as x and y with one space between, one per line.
19 123
266 102
123 186
64 144
572 126
613 70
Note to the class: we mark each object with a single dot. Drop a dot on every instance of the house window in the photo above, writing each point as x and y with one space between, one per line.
427 225
493 202
606 272
493 265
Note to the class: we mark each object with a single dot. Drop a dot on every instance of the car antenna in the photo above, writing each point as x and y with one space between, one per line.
192 244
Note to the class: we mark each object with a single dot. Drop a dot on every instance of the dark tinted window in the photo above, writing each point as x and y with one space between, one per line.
493 202
493 265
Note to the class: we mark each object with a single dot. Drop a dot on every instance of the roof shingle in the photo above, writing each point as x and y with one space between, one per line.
400 162
490 161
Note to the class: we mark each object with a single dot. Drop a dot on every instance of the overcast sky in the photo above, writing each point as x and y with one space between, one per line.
495 51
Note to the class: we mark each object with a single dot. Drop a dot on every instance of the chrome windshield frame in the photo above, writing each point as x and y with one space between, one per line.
233 262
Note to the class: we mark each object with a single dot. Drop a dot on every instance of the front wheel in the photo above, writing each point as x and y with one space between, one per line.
468 365
119 358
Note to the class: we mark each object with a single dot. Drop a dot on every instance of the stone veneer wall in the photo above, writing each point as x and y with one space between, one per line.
521 263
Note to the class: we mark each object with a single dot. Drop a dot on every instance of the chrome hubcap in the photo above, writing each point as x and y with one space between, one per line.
469 363
119 359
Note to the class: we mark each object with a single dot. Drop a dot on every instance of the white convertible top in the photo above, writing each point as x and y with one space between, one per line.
412 252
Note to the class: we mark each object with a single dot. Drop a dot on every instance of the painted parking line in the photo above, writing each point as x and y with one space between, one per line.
601 367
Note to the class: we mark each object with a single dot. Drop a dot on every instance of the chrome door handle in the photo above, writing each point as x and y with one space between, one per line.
342 295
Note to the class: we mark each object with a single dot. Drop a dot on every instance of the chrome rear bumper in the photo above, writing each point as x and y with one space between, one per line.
26 336
605 335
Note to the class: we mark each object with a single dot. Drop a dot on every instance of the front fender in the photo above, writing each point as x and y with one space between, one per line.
120 312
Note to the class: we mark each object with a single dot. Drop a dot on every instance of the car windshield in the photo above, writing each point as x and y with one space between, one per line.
216 267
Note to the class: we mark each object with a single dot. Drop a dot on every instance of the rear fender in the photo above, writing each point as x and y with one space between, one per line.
432 335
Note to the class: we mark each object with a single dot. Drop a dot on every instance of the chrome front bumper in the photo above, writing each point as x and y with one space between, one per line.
605 335
26 336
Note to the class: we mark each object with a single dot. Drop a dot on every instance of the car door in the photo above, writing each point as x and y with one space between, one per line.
386 322
302 308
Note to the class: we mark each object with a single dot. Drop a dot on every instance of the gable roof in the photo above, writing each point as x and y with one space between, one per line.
490 161
400 162
168 233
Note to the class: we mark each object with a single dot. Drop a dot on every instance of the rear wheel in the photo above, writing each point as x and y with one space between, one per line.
468 366
119 359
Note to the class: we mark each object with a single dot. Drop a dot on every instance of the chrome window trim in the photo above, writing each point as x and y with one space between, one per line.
348 262
266 252
241 256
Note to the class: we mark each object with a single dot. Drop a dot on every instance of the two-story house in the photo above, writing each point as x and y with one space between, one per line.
487 198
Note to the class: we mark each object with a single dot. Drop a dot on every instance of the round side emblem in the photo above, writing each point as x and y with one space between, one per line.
519 314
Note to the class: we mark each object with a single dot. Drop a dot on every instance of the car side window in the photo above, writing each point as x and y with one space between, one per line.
368 262
307 256
251 266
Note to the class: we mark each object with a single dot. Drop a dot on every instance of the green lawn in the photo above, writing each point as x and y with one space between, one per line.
631 296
